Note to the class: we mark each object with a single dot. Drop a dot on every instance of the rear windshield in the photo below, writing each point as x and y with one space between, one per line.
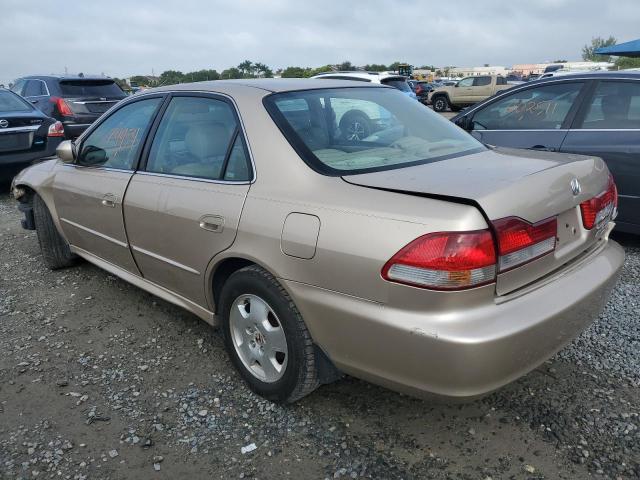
10 102
90 88
399 83
343 131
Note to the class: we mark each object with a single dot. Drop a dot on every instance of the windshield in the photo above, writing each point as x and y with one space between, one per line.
343 131
10 102
90 88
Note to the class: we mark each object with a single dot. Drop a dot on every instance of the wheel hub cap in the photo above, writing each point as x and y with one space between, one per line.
258 338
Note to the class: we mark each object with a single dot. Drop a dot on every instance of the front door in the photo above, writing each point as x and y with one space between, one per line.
184 206
88 194
463 91
533 118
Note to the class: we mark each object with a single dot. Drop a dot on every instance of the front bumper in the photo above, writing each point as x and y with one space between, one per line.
463 353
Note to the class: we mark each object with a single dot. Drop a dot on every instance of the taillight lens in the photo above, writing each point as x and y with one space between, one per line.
56 130
63 107
596 209
520 242
445 261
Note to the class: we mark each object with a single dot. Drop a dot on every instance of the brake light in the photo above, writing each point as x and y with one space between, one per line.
445 261
520 242
56 130
62 105
419 89
596 209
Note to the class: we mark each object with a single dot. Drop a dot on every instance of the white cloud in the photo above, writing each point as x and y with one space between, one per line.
121 38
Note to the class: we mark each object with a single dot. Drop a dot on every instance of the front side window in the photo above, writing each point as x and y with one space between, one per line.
615 105
115 143
534 108
354 130
466 82
199 137
18 86
481 81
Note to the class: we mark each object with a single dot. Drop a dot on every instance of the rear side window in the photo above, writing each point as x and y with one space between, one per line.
356 130
398 83
534 108
10 102
615 105
501 81
116 141
481 81
90 88
199 137
35 88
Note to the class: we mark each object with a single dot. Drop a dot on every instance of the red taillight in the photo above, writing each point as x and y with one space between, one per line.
63 107
597 209
520 241
445 261
56 130
419 89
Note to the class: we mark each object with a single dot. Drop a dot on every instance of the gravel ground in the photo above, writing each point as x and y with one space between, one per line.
101 380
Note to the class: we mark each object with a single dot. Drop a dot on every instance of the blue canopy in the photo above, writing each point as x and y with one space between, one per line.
627 49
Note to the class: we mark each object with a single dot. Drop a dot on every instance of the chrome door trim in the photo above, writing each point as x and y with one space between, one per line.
523 130
195 179
165 260
93 232
605 129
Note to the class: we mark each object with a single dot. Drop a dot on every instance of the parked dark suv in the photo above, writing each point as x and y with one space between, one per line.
76 100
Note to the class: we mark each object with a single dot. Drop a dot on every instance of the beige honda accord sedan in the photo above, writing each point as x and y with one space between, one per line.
335 227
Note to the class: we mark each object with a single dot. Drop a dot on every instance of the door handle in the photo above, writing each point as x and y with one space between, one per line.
212 223
543 148
109 200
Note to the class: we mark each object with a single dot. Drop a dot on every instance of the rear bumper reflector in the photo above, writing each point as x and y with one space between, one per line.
441 279
526 254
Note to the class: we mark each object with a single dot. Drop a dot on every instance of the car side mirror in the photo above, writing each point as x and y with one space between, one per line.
465 123
66 152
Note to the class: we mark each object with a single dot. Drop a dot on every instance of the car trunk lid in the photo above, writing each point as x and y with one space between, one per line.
501 182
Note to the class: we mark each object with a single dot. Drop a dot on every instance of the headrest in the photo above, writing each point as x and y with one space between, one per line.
207 139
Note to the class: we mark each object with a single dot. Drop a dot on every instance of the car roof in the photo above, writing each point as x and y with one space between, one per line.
53 76
361 74
266 84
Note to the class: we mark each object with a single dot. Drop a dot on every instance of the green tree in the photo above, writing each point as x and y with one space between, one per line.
346 65
622 63
262 71
171 77
231 73
142 81
315 71
202 75
295 72
246 68
559 61
375 67
597 42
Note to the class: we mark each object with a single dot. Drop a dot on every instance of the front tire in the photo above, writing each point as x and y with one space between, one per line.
266 337
440 103
355 126
55 249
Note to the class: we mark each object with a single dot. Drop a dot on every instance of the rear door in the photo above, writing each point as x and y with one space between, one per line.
37 93
88 194
184 207
536 117
608 125
482 88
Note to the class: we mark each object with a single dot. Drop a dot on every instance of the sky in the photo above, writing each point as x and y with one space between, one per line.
124 38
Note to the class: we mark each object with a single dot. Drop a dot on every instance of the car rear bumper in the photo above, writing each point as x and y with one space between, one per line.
26 157
463 353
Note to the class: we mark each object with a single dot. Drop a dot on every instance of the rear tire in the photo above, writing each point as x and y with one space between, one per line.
55 249
440 103
355 126
455 108
257 314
